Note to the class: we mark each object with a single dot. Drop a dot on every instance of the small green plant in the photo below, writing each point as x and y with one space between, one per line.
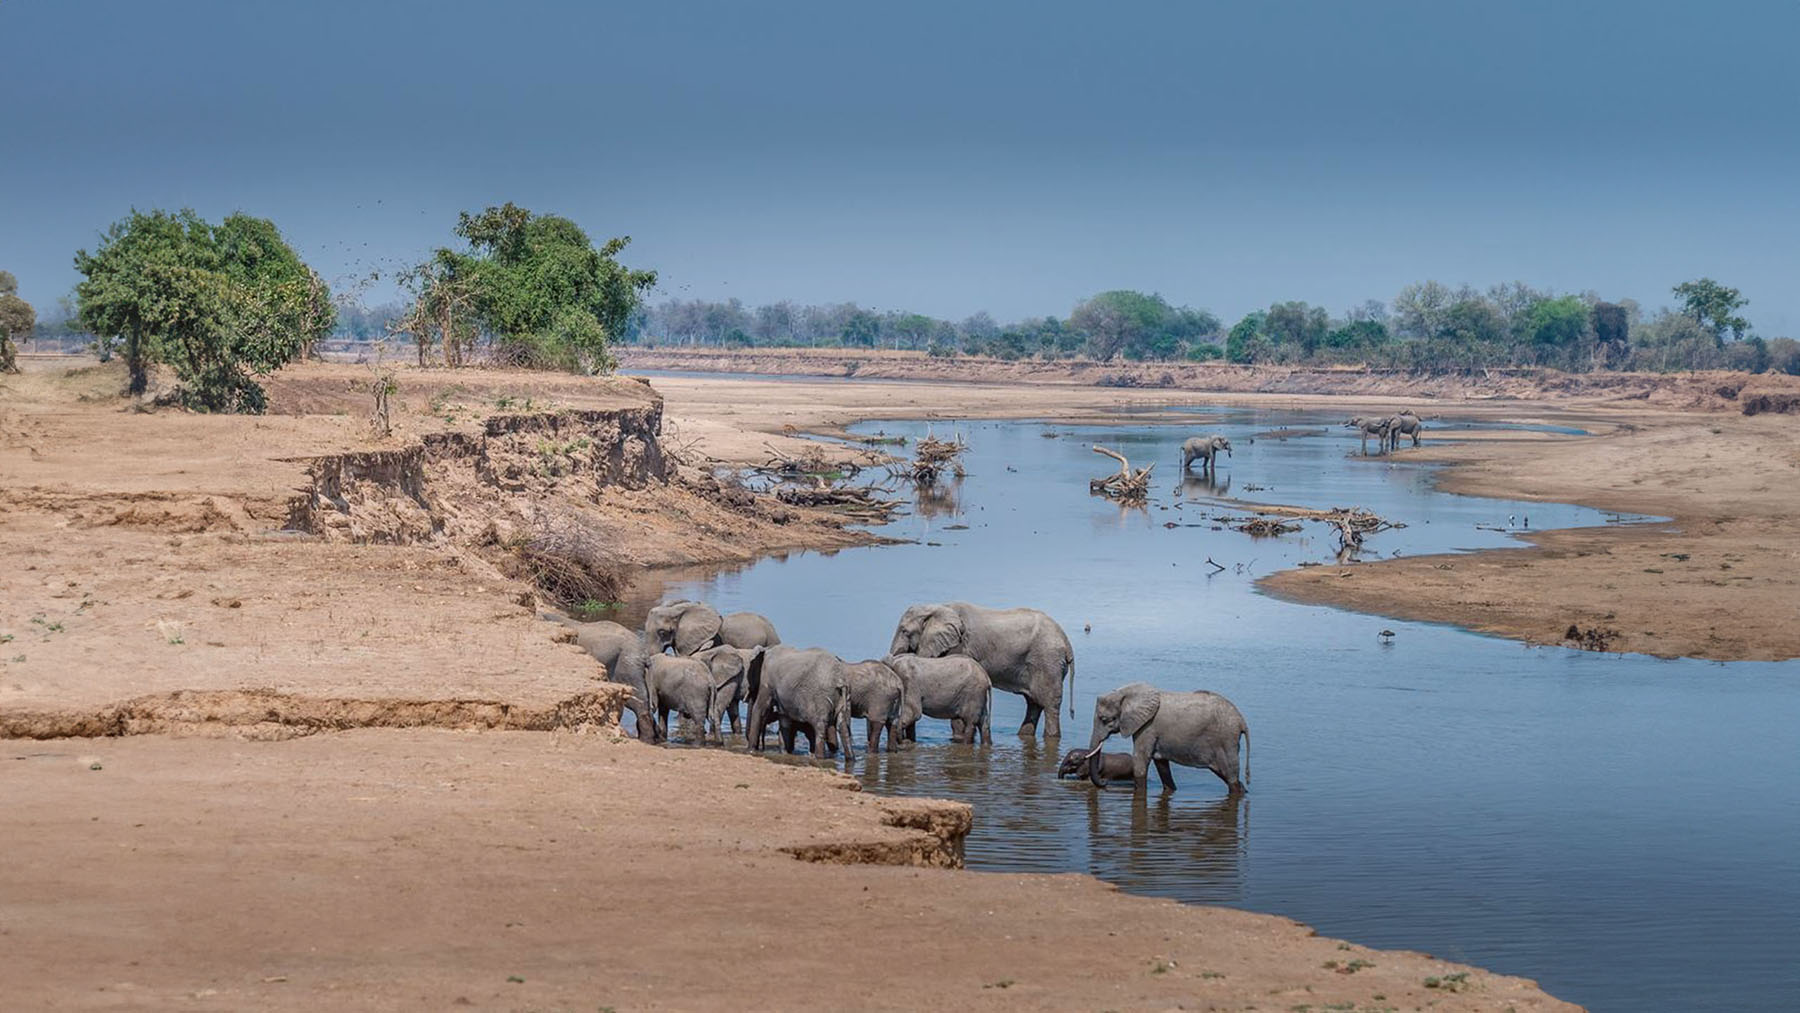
1210 975
515 979
1002 983
591 609
6 638
1458 982
1160 967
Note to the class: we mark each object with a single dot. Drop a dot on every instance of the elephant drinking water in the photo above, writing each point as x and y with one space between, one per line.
1022 650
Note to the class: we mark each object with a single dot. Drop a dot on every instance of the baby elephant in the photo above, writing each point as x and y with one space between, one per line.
1100 767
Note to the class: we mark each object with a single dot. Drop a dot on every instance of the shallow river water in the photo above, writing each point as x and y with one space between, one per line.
1626 830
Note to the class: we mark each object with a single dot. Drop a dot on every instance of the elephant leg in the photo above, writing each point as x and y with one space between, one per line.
820 740
1028 728
759 724
788 734
1141 748
1165 775
890 727
1052 709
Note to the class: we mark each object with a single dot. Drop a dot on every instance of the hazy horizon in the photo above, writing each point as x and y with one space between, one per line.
941 158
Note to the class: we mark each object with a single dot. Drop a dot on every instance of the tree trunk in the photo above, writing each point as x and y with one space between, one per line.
135 364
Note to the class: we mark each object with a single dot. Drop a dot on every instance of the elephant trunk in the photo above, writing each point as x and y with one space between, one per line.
843 727
902 644
1094 764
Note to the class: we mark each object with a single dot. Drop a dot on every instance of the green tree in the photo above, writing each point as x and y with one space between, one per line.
538 283
861 329
1247 341
1298 326
1714 306
1117 320
1558 322
17 320
220 304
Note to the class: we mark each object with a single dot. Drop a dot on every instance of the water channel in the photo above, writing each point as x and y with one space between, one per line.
1624 829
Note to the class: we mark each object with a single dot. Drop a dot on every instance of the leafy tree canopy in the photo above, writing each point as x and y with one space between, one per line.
542 288
1714 306
218 303
17 319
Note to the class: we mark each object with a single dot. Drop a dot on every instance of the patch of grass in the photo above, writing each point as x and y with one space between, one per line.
1161 967
1209 975
1458 982
6 638
514 979
591 609
1002 983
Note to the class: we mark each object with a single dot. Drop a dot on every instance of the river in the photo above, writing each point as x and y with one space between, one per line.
1624 829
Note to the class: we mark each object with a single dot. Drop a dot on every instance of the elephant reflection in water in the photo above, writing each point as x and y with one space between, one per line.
1200 487
939 499
1189 851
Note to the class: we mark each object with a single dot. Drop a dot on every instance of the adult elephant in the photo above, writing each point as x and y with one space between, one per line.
1022 651
1204 449
808 689
1404 424
626 655
694 687
953 687
690 626
1368 427
1192 729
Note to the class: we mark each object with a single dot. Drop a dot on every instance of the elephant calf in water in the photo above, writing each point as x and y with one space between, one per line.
1193 729
876 695
1099 767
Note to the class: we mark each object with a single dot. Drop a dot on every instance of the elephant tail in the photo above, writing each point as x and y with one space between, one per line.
1245 731
1069 670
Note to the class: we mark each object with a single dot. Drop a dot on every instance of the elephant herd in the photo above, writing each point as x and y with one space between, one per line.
944 662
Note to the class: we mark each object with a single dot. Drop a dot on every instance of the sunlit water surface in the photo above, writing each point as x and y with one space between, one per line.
1623 829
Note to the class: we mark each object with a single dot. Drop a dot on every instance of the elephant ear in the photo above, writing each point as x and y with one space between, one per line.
1137 705
726 663
943 633
698 628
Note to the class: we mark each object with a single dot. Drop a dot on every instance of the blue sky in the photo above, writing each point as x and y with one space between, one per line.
942 157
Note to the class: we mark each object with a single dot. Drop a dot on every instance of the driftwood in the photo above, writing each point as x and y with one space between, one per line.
932 459
1130 487
857 501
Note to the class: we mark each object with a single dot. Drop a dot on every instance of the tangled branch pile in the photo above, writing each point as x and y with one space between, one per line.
810 462
1263 527
859 502
932 458
1129 487
568 562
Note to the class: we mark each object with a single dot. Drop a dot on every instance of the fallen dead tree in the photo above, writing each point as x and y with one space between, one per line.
809 464
1129 487
857 501
1265 527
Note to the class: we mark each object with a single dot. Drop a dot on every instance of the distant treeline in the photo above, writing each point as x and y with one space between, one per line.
1429 326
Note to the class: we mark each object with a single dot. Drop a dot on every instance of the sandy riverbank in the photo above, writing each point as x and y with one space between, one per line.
376 780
